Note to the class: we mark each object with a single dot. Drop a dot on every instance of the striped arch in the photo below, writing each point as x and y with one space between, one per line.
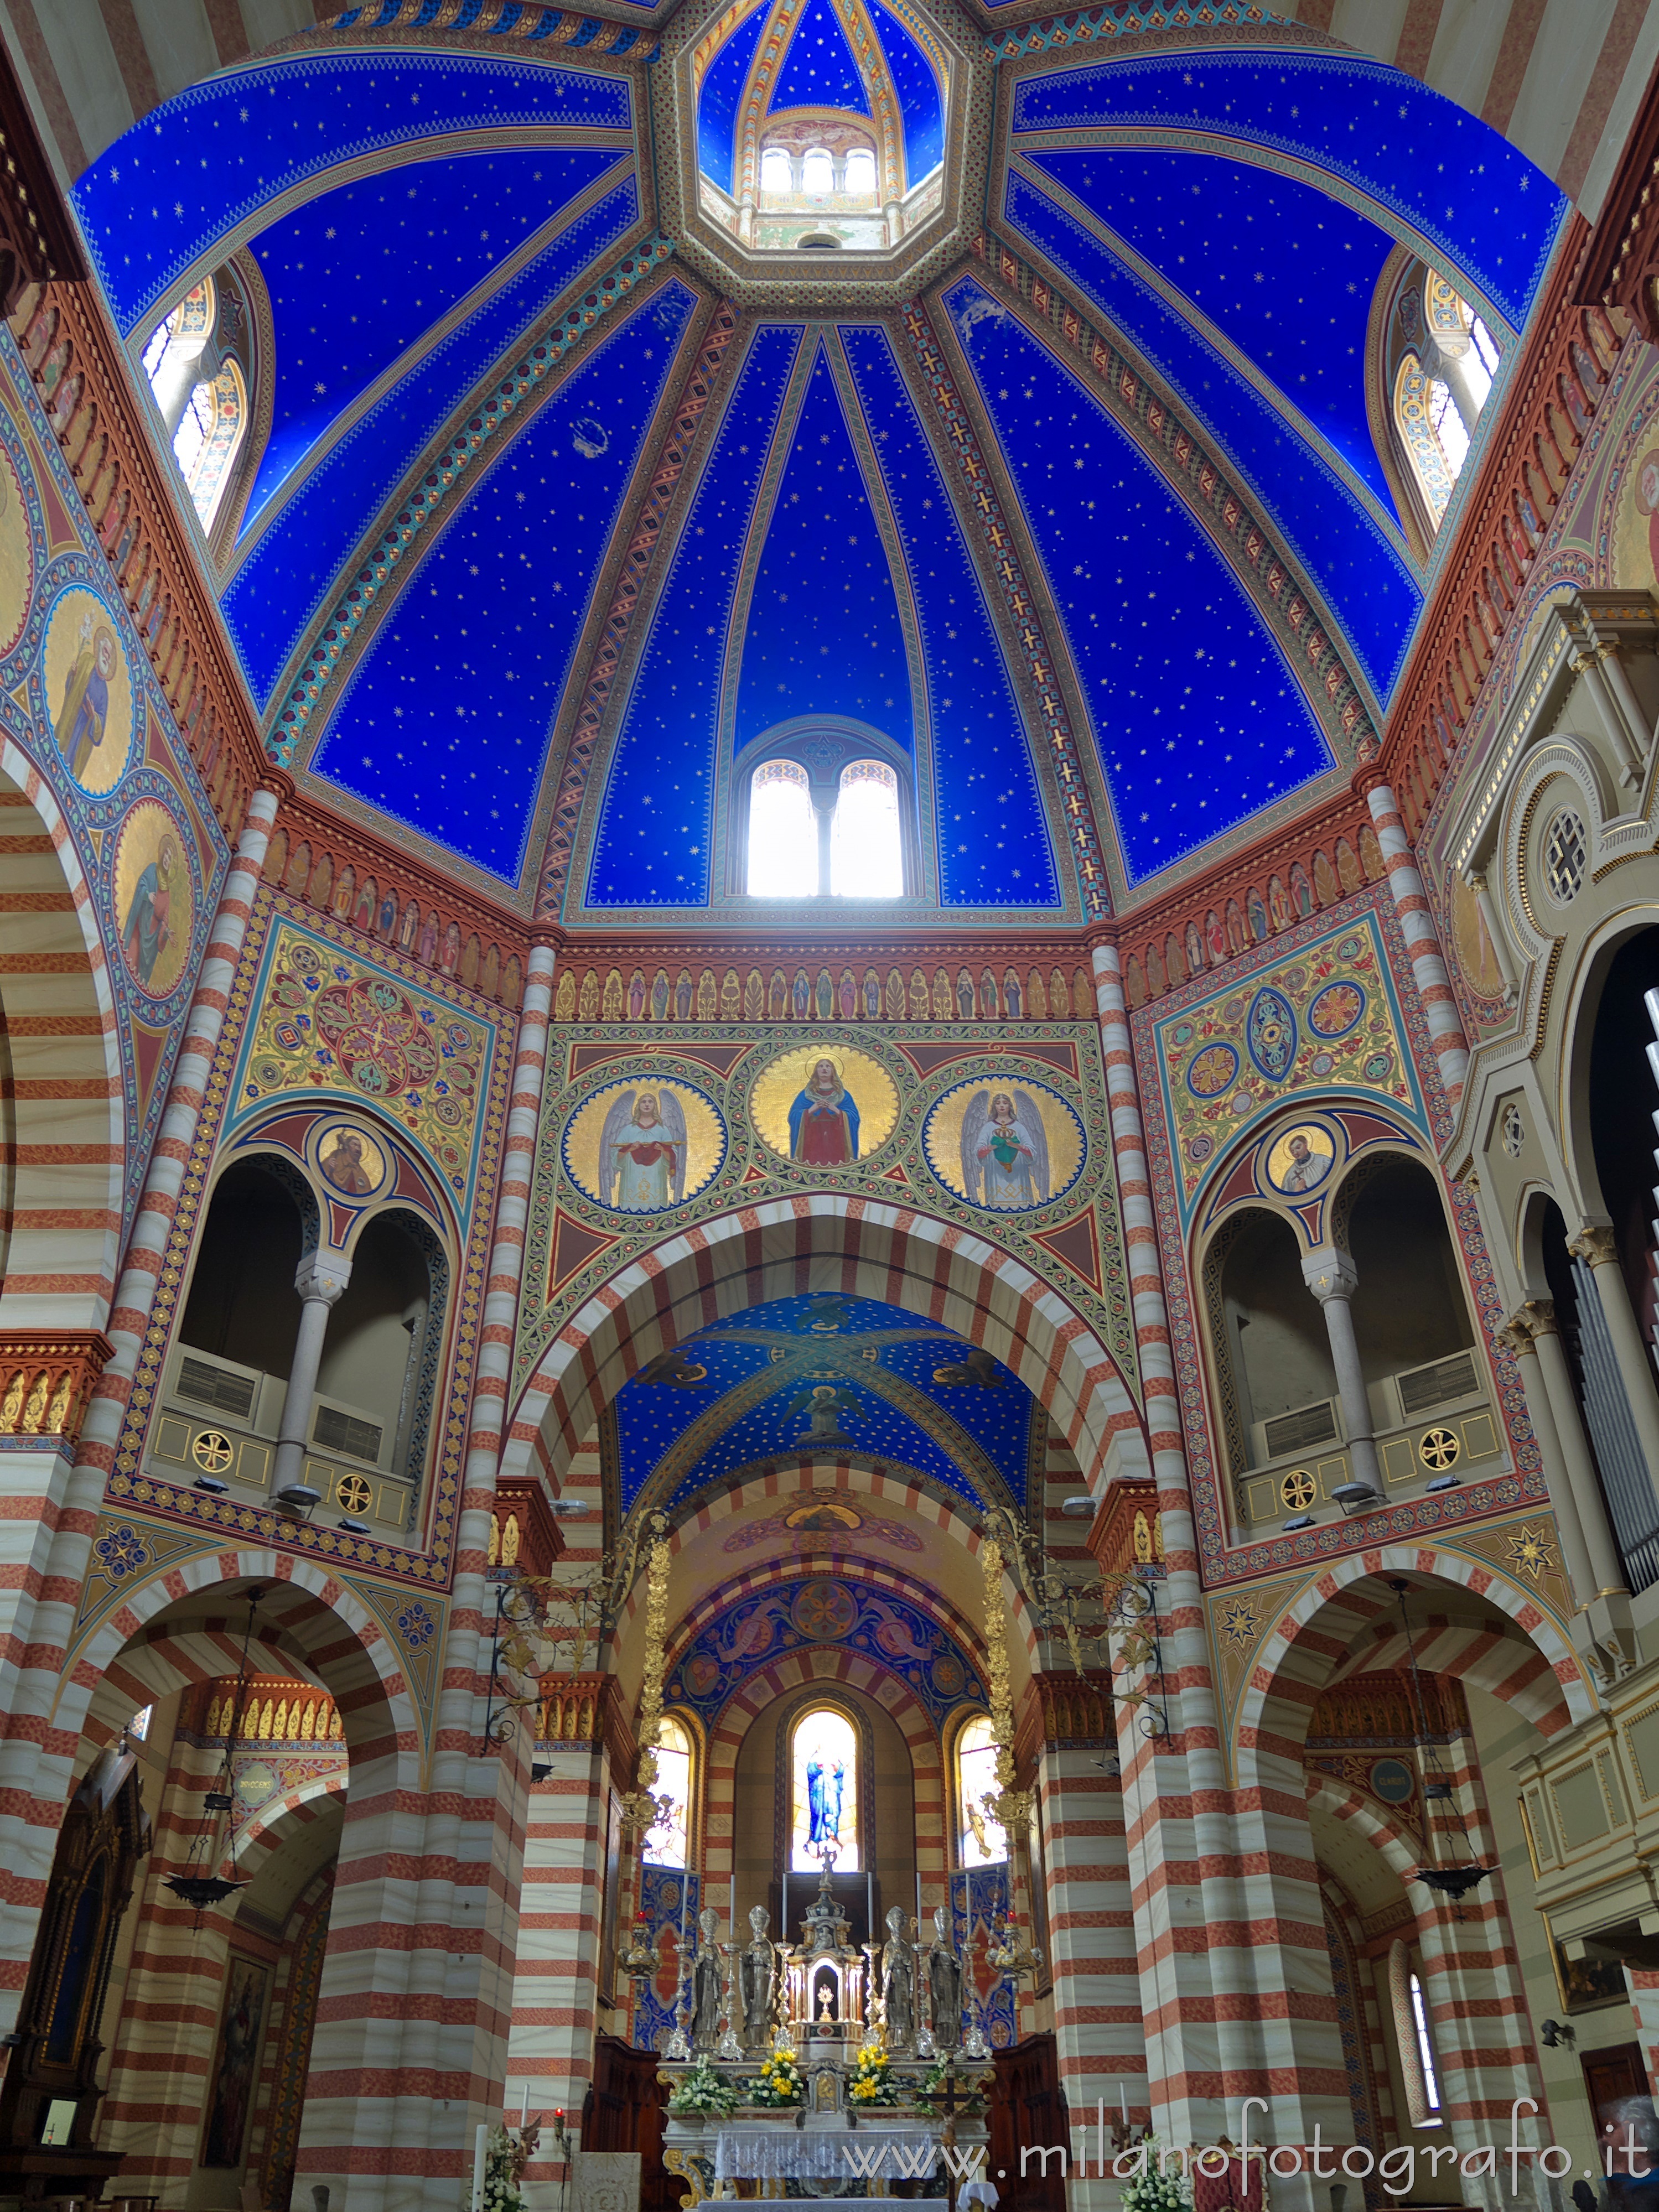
1500 1661
823 1668
277 1823
1314 1644
166 1658
315 1619
61 1159
830 1241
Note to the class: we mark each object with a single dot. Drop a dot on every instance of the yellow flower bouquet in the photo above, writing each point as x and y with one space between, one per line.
778 2082
873 2081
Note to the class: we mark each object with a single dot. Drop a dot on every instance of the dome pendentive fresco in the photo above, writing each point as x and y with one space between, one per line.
828 977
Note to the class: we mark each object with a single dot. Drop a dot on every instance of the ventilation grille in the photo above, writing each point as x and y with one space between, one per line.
213 1386
1291 1432
1432 1386
341 1432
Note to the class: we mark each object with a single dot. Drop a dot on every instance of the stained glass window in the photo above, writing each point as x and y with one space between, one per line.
664 1841
983 1841
824 1766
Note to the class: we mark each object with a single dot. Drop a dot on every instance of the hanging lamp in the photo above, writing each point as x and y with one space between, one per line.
196 1886
1453 1882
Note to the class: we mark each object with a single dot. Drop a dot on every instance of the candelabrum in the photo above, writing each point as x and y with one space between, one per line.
1010 1956
643 1958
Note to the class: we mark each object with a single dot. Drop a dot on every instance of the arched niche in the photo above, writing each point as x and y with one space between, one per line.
762 1788
242 1307
384 1330
1411 1306
1271 1349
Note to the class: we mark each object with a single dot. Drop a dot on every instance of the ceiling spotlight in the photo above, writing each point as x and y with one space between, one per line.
1299 1521
1079 1509
1356 1496
1442 1482
211 1484
296 1497
571 1508
353 1527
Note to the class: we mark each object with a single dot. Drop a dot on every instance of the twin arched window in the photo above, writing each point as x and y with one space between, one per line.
1442 361
201 388
800 848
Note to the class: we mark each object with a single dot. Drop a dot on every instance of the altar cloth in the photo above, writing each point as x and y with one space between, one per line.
770 2153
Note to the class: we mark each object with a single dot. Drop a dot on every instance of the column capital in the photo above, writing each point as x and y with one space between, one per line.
1330 1274
1371 775
1540 1317
323 1276
1516 1336
1596 1245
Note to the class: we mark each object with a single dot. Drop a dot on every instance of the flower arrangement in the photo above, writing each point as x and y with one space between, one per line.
873 2081
778 2082
1150 2190
702 2094
503 2168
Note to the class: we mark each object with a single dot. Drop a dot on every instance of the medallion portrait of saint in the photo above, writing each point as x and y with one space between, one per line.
89 690
824 1105
1004 1151
154 902
642 1152
351 1161
642 1145
1300 1161
824 1120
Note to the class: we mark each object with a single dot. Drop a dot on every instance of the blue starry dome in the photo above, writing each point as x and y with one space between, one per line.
604 440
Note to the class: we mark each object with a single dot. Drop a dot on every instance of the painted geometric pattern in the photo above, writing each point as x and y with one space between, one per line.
820 1610
327 1021
1325 1016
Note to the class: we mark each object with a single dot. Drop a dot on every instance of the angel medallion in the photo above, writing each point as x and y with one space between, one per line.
642 1152
1004 1151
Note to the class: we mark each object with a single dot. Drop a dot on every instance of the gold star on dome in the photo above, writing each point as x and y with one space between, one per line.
1531 1552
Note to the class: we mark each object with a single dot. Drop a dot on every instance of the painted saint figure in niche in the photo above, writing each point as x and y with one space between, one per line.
342 1164
81 724
1004 1152
824 1122
642 1152
148 929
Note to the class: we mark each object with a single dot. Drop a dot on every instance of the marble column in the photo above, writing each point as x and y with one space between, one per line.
1332 1279
1582 1571
321 1282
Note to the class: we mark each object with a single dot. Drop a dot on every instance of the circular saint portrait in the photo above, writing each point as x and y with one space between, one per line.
155 904
89 690
1005 1145
824 1105
16 556
1300 1160
349 1160
639 1147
